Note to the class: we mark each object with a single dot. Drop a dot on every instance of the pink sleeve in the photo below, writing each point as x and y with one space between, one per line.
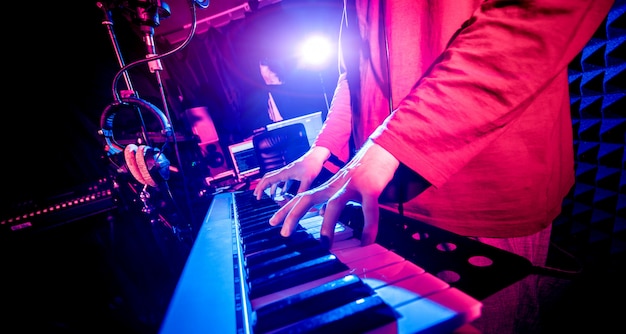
335 134
506 55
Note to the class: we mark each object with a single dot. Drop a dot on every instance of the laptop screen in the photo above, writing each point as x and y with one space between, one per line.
312 125
244 160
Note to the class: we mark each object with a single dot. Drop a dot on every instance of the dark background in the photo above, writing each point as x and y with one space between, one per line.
61 73
98 262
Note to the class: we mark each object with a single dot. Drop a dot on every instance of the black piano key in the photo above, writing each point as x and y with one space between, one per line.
267 232
249 214
283 260
310 303
256 218
358 316
275 240
287 246
251 229
298 274
256 229
246 201
272 239
244 205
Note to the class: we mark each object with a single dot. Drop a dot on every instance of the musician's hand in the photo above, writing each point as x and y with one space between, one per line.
362 180
305 169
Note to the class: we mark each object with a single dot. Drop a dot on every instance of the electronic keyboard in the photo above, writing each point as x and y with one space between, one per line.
241 276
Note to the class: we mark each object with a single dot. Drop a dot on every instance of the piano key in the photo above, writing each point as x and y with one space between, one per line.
295 275
287 292
442 312
375 262
313 224
359 260
460 302
259 221
358 316
266 232
390 274
418 286
345 244
425 302
311 302
280 248
273 241
285 260
349 254
250 215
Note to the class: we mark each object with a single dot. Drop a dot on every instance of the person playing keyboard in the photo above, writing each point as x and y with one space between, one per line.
457 114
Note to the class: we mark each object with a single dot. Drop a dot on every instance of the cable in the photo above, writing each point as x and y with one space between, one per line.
554 271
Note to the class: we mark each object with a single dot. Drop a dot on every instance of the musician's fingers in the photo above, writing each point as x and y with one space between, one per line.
305 184
300 206
322 209
258 190
280 214
371 214
269 183
273 189
331 214
268 180
262 185
290 214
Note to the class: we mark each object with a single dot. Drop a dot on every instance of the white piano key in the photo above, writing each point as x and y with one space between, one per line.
347 255
391 274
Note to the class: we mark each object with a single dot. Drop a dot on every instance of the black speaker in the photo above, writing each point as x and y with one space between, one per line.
202 126
215 159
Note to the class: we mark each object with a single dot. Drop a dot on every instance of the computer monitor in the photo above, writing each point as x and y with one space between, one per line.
244 160
312 125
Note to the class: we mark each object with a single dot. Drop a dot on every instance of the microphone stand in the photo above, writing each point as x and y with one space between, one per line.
149 19
130 90
108 23
147 15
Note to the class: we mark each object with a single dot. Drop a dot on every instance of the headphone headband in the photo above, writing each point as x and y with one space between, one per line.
108 115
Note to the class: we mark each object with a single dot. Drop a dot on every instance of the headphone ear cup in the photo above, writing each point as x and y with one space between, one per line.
153 165
130 154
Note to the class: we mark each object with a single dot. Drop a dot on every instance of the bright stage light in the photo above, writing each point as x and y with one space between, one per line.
315 52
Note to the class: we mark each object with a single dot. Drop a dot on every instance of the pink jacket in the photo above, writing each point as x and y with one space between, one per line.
481 109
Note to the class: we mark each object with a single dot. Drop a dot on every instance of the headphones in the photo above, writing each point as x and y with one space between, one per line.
148 165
